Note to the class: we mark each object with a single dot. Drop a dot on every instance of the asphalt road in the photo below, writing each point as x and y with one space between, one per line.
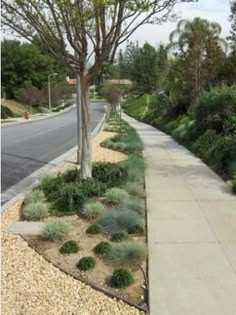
28 146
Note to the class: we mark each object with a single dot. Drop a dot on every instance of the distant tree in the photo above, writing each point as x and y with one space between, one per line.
145 69
199 42
112 93
23 62
232 37
31 95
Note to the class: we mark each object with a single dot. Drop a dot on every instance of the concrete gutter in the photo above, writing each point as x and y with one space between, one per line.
16 191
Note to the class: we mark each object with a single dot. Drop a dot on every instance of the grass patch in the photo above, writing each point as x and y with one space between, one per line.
35 211
69 247
92 210
56 230
116 195
86 263
94 229
102 248
119 236
34 196
121 278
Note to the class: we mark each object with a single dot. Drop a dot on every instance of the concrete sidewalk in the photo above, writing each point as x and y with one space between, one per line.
191 231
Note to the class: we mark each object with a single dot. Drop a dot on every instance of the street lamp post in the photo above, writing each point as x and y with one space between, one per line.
49 90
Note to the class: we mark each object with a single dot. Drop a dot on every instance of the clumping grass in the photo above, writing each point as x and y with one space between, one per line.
94 229
119 219
34 196
127 253
116 195
137 229
92 210
35 211
119 236
71 199
135 189
135 166
69 247
56 230
135 204
121 278
86 263
102 248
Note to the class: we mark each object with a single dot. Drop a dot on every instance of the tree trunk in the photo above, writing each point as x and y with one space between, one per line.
86 150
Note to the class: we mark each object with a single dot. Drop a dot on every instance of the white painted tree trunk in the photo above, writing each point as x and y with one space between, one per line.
86 149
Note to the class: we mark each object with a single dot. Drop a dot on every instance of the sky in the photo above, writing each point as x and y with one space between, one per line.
212 10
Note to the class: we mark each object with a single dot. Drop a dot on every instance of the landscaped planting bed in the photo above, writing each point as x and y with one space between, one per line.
109 208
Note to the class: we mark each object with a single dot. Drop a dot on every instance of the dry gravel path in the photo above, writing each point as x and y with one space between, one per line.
32 286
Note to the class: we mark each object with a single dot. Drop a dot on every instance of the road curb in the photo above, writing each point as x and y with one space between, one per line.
30 181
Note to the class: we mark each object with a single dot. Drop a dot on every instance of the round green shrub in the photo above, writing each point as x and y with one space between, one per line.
86 263
92 210
121 278
119 236
34 196
51 185
102 248
35 211
137 229
56 230
71 176
69 247
94 229
116 195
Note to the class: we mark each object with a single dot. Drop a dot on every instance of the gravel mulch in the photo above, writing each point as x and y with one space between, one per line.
32 286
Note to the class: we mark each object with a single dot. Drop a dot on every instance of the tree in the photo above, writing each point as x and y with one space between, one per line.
145 69
24 62
112 93
32 96
199 42
232 37
60 26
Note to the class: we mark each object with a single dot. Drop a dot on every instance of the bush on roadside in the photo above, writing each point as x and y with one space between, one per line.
234 183
127 253
56 230
94 229
86 263
34 196
70 200
116 195
135 204
137 229
119 219
71 175
135 166
135 189
6 112
121 278
69 247
90 187
112 174
92 210
102 248
119 236
35 211
51 185
203 144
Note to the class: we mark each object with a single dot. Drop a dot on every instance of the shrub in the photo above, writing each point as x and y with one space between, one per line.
137 229
91 187
71 199
119 219
102 248
127 253
92 210
135 204
51 185
234 183
6 112
202 145
94 229
35 211
116 195
69 247
135 168
112 174
119 236
86 263
134 189
71 175
214 107
56 230
34 196
121 278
